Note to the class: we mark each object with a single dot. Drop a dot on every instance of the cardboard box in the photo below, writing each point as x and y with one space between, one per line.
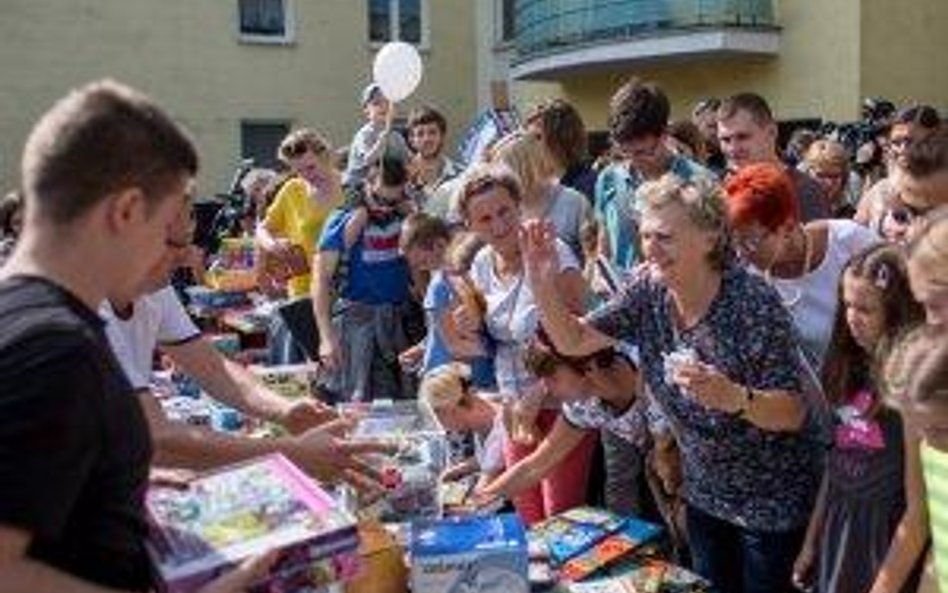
477 554
382 562
218 519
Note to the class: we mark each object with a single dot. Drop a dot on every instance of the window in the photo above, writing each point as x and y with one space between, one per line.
265 21
259 140
508 10
398 20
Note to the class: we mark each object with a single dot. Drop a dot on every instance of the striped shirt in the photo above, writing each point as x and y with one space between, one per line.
935 470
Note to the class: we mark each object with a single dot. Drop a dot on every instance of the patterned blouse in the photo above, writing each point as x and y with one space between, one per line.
754 478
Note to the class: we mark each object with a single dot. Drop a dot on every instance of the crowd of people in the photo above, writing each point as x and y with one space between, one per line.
753 338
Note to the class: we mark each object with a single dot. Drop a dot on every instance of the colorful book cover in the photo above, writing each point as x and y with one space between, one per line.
653 576
218 519
575 531
618 546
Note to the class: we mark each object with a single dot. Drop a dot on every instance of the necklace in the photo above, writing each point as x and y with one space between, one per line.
791 301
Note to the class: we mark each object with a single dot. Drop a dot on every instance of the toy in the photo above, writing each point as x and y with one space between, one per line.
412 475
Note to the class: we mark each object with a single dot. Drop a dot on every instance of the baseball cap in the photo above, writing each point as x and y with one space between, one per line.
369 92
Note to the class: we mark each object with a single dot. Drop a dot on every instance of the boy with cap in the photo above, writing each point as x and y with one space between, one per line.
375 138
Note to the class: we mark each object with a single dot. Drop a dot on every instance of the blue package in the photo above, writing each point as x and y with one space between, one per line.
483 554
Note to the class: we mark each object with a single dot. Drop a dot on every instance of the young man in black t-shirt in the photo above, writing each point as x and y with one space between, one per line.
105 177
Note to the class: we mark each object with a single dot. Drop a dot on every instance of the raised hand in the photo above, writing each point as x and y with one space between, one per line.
538 249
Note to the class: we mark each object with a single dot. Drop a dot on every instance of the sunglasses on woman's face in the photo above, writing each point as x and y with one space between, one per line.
905 214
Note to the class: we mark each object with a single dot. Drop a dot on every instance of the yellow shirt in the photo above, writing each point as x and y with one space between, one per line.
935 470
297 216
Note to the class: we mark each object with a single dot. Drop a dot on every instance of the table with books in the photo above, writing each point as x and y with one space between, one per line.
414 538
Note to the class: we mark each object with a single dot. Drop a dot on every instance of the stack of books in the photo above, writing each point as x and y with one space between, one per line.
585 542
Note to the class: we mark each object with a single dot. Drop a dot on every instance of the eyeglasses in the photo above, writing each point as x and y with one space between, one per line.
625 150
905 214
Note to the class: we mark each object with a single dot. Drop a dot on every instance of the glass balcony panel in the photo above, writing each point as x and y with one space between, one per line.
547 26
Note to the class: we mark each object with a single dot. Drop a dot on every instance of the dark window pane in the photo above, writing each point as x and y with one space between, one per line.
262 17
508 29
409 21
260 141
380 20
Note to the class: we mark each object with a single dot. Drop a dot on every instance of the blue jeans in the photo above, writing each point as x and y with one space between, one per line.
739 560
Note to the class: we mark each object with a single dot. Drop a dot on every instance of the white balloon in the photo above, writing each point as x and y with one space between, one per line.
397 70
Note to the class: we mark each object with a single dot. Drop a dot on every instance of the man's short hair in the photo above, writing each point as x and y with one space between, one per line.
424 231
390 171
426 114
703 106
563 130
99 139
299 142
923 116
928 156
637 110
752 103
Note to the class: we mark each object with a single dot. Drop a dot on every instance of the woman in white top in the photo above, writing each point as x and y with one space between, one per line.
489 204
802 261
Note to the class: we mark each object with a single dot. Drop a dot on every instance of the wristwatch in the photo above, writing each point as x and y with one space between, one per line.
749 395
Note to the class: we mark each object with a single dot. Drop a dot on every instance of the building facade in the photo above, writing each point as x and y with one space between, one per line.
237 73
809 59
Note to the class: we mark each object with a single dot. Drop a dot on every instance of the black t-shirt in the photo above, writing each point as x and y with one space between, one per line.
74 445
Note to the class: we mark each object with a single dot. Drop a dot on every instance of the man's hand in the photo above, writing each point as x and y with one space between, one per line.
411 358
330 356
306 414
241 578
324 453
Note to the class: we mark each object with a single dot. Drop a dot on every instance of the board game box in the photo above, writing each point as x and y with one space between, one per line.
475 554
211 523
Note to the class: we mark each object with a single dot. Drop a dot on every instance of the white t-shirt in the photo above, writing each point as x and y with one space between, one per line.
512 315
812 298
157 318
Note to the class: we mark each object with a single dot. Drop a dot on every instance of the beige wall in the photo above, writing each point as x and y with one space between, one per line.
903 44
817 72
187 55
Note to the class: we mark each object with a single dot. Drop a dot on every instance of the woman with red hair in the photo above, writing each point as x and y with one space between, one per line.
802 261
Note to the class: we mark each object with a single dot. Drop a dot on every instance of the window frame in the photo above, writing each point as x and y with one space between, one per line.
423 44
285 122
289 27
500 23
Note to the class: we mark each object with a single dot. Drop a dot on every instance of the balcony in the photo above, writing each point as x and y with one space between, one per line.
555 38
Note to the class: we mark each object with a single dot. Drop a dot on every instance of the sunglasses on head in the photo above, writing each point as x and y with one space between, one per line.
300 147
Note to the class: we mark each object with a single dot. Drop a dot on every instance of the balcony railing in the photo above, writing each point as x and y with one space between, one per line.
545 27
